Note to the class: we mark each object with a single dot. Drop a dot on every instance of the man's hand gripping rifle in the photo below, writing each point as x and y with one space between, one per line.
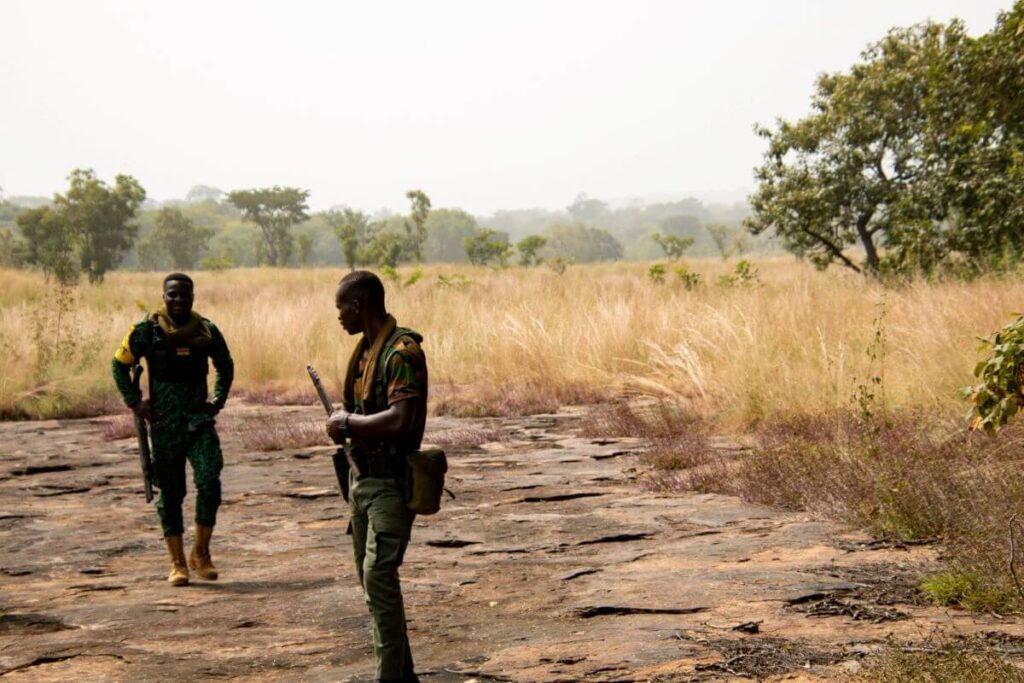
342 457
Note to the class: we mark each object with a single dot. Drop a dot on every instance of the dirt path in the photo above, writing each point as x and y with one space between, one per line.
551 565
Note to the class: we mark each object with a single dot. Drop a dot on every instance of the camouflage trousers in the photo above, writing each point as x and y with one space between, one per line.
380 525
201 448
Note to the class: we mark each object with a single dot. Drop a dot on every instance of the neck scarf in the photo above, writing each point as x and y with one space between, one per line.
192 333
370 369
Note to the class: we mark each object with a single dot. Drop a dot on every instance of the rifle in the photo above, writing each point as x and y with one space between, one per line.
145 457
342 458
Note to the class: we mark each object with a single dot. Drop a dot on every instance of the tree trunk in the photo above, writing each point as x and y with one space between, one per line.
868 241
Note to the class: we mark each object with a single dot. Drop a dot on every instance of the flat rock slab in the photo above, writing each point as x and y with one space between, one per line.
551 564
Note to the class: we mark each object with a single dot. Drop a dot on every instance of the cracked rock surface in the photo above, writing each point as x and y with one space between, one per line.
551 564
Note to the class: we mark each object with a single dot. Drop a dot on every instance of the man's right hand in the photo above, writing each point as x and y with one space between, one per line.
142 409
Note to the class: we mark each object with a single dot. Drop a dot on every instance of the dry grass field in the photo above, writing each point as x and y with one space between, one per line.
510 341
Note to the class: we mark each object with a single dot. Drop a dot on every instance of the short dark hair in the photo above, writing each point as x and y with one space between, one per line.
179 277
366 287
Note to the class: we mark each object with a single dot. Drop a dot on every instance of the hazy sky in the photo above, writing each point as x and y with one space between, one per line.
483 105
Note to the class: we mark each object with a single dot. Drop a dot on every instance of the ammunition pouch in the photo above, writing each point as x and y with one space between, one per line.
424 484
420 473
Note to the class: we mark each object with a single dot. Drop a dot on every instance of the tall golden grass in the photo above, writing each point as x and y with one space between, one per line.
520 340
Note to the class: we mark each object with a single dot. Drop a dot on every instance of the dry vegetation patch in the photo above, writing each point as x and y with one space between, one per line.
276 433
980 659
761 656
906 476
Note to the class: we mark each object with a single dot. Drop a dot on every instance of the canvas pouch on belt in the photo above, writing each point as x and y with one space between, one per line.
424 481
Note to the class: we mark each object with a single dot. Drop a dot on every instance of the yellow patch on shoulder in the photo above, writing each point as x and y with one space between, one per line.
124 354
183 351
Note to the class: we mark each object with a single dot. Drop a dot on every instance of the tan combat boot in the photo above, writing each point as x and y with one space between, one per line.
200 560
179 569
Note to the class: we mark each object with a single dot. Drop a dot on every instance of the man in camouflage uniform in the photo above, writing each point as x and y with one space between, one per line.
177 344
384 416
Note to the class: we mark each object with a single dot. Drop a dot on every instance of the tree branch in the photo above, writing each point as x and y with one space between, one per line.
832 249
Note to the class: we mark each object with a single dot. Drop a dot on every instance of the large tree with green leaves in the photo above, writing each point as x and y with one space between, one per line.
274 210
847 180
909 162
87 229
102 217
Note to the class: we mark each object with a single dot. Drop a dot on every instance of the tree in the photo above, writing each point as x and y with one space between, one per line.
13 251
102 218
486 246
975 145
203 193
416 228
304 243
577 243
176 236
587 210
89 228
528 249
53 244
385 248
855 173
352 229
680 225
274 210
721 236
673 246
447 230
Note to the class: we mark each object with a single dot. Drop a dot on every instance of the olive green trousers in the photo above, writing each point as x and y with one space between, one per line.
202 450
380 525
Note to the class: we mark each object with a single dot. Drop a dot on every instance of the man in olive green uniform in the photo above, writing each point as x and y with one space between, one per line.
177 344
384 416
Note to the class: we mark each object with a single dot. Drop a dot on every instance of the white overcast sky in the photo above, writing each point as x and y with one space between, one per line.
483 105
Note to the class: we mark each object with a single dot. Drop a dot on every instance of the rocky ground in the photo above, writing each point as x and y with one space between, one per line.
552 564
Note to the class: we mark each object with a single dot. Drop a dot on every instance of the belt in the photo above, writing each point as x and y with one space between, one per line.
379 463
379 468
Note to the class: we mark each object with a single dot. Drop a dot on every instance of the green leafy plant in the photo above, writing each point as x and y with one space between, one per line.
690 279
657 273
216 262
744 274
414 277
998 396
453 281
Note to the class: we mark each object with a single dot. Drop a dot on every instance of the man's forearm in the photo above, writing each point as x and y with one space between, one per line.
123 381
393 422
225 378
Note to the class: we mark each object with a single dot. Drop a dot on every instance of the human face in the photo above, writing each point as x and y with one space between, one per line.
178 298
348 312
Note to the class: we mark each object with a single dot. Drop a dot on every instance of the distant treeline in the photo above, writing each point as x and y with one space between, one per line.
213 229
